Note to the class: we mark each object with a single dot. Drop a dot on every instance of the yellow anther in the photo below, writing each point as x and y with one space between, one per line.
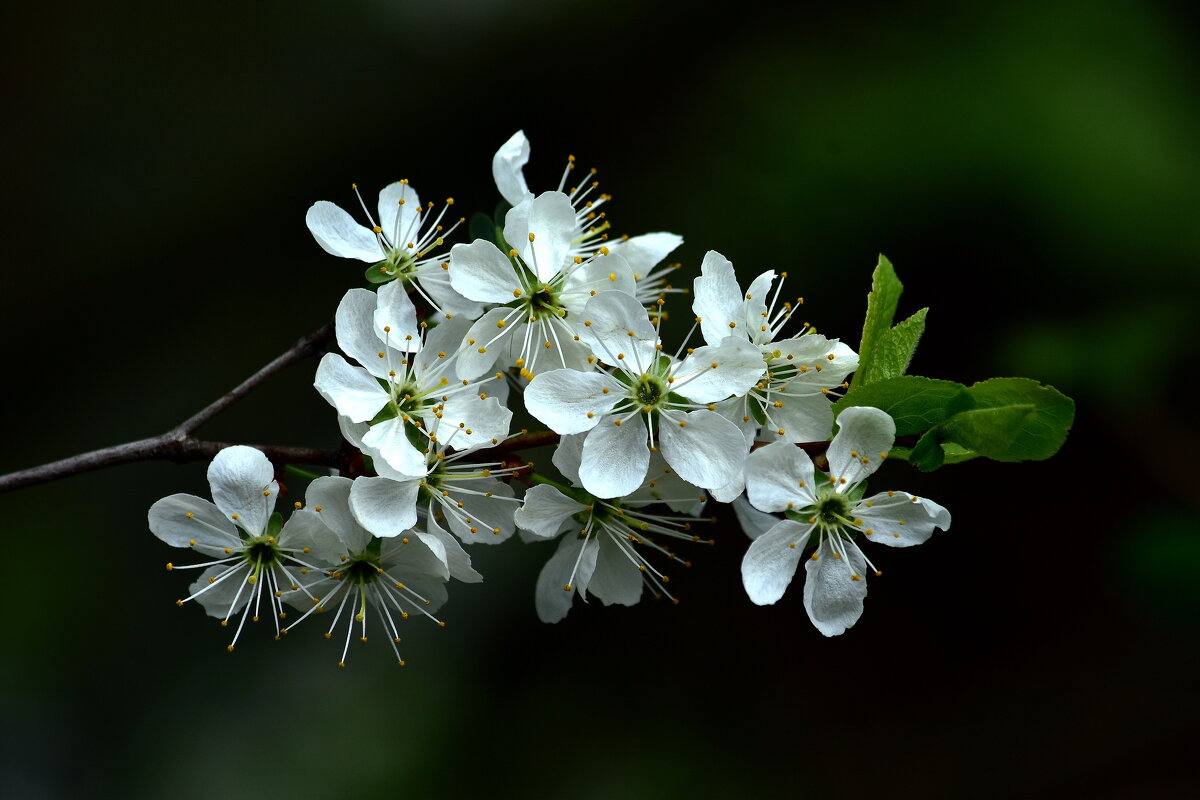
512 253
234 516
617 422
377 229
531 237
500 323
188 515
683 423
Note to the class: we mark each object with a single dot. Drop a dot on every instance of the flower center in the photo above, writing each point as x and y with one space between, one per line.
649 390
832 510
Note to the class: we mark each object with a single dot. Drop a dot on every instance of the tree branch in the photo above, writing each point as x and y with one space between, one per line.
178 444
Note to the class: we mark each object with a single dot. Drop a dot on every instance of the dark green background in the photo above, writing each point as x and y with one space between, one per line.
1030 168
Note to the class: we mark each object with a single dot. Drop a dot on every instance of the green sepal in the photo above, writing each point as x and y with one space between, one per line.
915 403
385 413
757 412
1011 419
377 273
274 524
927 455
416 438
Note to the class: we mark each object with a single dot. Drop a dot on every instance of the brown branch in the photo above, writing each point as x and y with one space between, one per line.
178 444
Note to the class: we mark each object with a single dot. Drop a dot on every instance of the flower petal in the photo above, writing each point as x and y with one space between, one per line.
718 299
780 477
384 507
609 319
306 534
400 221
457 559
547 512
832 596
478 421
356 331
508 168
865 435
181 519
567 456
801 417
351 390
339 235
615 579
225 590
490 516
244 487
645 251
551 220
396 311
707 451
479 271
771 560
568 401
610 273
754 522
615 458
390 440
484 342
574 554
329 498
715 373
899 519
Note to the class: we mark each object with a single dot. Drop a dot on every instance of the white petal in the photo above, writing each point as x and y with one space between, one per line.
422 555
547 512
899 519
211 530
754 306
395 310
610 273
491 517
389 439
332 496
567 456
608 319
435 280
243 484
508 168
551 220
572 402
457 559
479 421
484 343
218 599
708 451
754 522
407 215
615 579
351 390
644 252
356 332
479 271
780 477
338 233
739 366
552 600
832 597
771 560
802 418
865 435
717 298
813 351
384 507
615 458
664 486
314 541
442 343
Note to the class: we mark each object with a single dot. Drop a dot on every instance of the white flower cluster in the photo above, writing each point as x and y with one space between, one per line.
555 315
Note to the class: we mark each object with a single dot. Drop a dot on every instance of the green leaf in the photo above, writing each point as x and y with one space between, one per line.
895 348
956 453
1011 419
915 403
303 474
928 454
481 227
881 308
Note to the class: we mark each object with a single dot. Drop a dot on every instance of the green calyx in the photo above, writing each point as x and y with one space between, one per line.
649 390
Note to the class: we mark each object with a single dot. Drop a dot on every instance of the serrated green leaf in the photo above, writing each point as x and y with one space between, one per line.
956 453
927 455
881 309
915 403
895 348
481 227
1011 419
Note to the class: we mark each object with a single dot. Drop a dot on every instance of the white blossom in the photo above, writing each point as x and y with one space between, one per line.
253 559
659 402
375 582
407 379
827 515
401 246
605 543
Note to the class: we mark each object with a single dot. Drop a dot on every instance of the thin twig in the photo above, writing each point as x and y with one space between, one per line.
178 444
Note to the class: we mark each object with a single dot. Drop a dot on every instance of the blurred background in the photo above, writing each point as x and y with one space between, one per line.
1030 168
